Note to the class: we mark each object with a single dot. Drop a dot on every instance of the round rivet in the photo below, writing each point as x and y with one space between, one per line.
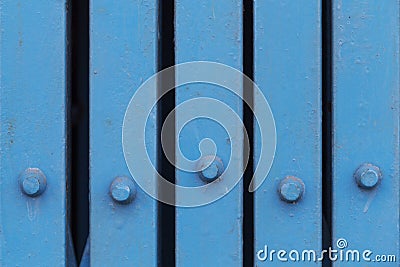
368 176
291 189
122 190
211 167
32 182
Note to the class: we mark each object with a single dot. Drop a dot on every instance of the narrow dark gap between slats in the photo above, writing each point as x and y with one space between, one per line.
327 126
166 56
248 198
78 145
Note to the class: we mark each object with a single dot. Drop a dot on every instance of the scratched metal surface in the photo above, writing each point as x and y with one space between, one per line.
210 235
33 103
366 124
123 53
287 48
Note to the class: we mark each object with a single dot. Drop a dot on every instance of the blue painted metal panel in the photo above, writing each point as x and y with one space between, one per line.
366 125
209 235
123 55
287 49
33 132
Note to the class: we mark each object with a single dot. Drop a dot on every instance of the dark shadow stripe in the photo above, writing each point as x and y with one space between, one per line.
327 126
248 69
166 56
79 127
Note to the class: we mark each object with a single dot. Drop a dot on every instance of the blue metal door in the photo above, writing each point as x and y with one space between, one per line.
221 133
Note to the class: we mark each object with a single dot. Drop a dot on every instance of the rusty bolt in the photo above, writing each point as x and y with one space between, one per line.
32 182
291 189
368 176
122 190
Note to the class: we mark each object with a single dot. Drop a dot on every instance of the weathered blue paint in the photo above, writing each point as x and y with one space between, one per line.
123 55
366 125
287 49
210 235
33 102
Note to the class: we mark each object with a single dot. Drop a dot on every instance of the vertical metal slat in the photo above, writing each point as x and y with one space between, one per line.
123 55
287 68
33 101
209 235
366 127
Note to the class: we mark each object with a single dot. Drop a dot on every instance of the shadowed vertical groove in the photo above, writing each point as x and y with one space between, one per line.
327 125
79 140
248 198
166 57
70 252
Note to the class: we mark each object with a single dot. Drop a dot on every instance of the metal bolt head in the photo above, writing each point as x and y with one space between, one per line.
32 182
291 189
211 167
122 190
368 176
